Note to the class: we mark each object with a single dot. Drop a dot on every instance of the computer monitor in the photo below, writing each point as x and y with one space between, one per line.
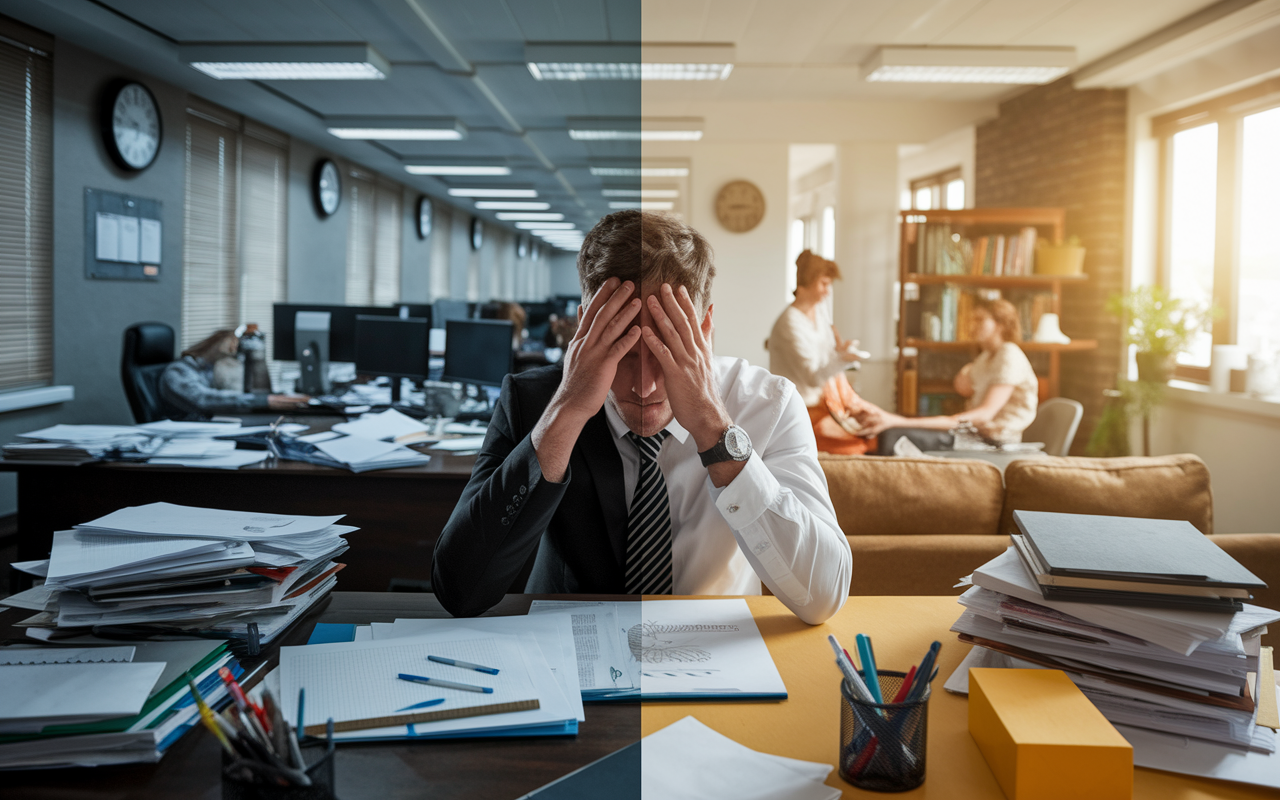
538 320
393 347
342 328
445 310
477 351
310 334
415 310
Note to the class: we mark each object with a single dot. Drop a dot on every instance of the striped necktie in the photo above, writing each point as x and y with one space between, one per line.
649 525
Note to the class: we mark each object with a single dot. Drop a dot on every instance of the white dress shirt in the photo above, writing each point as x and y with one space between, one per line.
804 352
774 522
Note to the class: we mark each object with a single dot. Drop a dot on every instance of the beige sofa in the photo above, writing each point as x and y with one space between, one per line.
916 525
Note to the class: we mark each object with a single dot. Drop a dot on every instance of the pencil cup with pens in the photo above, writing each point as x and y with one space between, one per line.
243 780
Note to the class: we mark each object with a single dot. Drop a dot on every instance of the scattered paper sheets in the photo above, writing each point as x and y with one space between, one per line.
689 761
604 664
33 696
387 425
167 519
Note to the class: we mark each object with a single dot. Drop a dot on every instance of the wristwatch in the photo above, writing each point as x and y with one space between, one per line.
734 445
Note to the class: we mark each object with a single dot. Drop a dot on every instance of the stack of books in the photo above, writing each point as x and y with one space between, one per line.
168 569
1176 664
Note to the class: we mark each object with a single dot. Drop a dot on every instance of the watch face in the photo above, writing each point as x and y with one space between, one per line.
328 187
135 127
737 443
424 217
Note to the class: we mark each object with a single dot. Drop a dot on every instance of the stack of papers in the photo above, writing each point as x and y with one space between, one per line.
175 443
356 453
175 569
689 761
75 442
386 426
92 711
1175 672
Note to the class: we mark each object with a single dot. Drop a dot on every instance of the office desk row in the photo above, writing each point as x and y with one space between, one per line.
400 512
805 726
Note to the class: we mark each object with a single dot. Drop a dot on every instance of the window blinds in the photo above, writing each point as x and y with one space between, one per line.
26 231
264 166
373 240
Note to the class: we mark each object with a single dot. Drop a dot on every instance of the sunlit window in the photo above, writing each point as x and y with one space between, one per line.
1258 298
924 198
1192 220
795 244
829 232
955 194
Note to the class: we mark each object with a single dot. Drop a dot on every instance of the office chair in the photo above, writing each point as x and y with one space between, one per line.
1055 425
148 349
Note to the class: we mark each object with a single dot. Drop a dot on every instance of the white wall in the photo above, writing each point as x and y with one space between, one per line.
954 149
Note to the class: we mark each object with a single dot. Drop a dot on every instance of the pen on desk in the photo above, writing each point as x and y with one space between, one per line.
423 704
207 717
466 687
869 666
453 662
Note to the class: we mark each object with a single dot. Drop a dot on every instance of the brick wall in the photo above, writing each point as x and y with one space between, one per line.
1059 147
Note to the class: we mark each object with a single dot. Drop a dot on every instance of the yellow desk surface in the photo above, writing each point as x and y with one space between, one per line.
807 724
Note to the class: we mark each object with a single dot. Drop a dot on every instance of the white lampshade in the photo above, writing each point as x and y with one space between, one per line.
1049 331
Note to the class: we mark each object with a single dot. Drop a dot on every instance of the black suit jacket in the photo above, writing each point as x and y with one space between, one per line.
508 512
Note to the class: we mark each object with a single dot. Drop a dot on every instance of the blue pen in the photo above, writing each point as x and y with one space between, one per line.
466 687
869 666
453 662
302 701
924 674
423 704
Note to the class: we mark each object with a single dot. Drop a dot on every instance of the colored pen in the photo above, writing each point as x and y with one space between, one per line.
206 716
466 687
453 662
850 674
906 686
925 673
869 666
242 701
302 701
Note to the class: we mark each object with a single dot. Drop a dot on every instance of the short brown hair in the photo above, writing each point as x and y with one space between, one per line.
1005 315
810 267
208 348
645 247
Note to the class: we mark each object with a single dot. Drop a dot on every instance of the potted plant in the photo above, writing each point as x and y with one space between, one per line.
1159 326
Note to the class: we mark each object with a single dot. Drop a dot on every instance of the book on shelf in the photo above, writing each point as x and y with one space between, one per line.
941 251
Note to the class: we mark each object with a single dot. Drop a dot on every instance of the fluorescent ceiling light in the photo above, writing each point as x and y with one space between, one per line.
478 191
653 129
512 216
287 62
1006 65
503 205
396 128
646 194
640 172
454 169
644 205
613 62
545 226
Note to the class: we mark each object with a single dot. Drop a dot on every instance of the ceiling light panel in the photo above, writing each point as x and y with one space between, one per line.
647 194
484 191
643 205
653 129
512 216
455 169
396 128
504 205
1000 65
287 62
640 172
616 62
545 226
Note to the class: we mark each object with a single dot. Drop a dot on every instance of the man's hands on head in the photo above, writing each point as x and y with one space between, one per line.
604 336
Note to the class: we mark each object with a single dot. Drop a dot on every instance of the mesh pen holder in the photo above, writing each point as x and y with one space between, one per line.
882 746
317 754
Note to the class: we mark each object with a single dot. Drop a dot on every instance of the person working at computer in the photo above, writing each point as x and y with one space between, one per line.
187 385
643 463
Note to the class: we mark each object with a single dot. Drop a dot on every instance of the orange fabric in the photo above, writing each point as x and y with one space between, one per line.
839 401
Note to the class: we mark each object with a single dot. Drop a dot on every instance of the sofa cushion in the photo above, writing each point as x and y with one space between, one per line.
891 496
915 565
1162 487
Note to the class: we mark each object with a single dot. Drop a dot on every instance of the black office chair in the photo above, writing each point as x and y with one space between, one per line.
148 349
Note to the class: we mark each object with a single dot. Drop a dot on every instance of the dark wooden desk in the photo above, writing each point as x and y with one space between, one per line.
400 512
471 769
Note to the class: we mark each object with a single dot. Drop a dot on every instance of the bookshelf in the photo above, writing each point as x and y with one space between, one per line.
946 258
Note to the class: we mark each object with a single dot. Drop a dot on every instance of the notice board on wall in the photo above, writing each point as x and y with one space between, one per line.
123 236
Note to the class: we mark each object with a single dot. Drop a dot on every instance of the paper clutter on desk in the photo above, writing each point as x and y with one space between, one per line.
1044 740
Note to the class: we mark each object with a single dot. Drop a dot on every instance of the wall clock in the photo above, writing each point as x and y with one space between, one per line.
739 206
424 217
477 233
131 125
326 186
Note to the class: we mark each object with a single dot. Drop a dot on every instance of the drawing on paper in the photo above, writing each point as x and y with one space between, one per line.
662 643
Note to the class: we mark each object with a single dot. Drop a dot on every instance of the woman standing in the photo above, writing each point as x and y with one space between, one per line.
806 348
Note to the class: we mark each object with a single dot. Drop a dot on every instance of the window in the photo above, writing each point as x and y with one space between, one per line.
26 191
234 225
1221 204
943 190
373 241
829 232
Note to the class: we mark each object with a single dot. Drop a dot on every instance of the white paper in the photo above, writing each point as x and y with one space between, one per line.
34 696
128 239
66 655
388 425
459 445
107 236
167 519
149 249
78 553
37 598
356 449
169 427
689 761
233 460
602 665
1194 757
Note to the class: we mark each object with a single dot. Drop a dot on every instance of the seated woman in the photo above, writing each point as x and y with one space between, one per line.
187 385
806 348
1000 384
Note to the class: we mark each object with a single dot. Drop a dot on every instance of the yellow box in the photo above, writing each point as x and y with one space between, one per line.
1044 740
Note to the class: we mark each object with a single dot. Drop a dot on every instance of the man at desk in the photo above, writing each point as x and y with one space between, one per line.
643 463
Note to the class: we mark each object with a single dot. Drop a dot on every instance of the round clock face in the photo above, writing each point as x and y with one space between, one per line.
424 217
477 233
328 187
132 126
737 443
739 206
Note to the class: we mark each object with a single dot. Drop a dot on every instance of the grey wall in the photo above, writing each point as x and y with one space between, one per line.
415 253
564 273
317 245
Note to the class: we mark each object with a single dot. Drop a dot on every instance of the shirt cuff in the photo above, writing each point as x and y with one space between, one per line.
748 495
